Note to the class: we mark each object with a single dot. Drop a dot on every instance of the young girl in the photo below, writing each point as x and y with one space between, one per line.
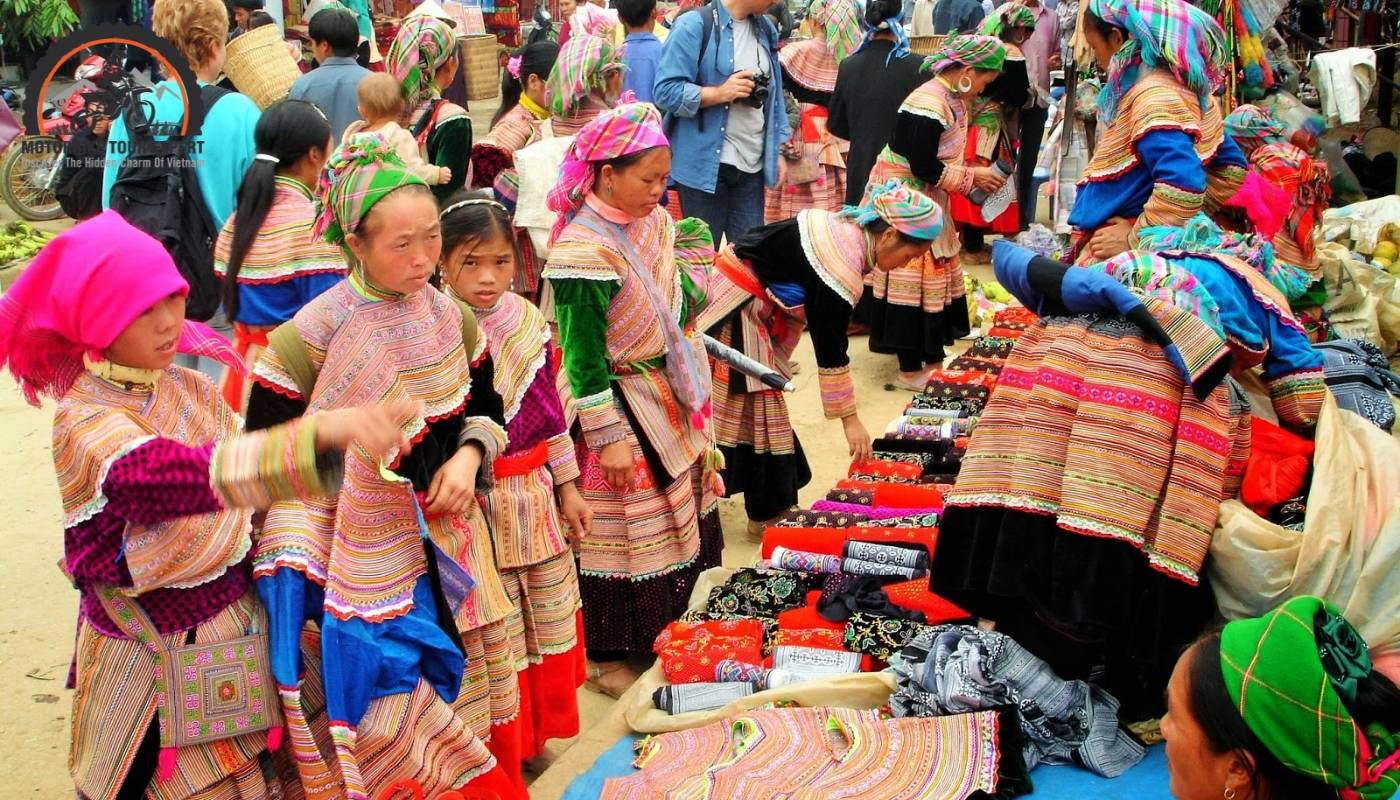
537 469
270 264
386 567
381 107
156 484
520 120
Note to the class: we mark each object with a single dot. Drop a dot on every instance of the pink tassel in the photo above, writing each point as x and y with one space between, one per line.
274 739
1265 204
165 763
697 421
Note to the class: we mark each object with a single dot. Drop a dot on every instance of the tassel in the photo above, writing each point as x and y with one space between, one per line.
697 421
165 763
274 739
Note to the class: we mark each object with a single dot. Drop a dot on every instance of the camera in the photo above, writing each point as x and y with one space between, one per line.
759 97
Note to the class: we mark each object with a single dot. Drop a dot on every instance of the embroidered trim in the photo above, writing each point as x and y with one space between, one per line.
98 503
838 392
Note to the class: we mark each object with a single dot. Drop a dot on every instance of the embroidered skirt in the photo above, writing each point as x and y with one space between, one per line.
827 193
918 308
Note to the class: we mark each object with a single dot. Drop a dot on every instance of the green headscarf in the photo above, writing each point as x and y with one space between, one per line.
422 45
979 52
1009 16
357 176
1290 674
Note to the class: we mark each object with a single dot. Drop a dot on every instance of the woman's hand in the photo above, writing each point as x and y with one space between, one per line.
576 511
1110 239
987 179
619 469
857 439
378 429
453 488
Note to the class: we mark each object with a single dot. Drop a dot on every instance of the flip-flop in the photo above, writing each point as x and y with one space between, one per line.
900 383
594 682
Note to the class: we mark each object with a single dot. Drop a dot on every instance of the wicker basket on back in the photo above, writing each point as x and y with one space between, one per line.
926 45
260 66
481 65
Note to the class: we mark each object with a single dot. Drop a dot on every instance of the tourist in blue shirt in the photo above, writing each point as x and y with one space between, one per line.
642 51
332 84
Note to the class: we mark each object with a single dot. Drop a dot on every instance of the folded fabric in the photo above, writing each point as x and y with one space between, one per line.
802 518
762 593
896 444
851 497
1360 379
879 636
831 541
915 596
813 661
732 671
979 361
769 624
929 520
848 593
689 697
872 512
818 638
803 561
856 566
688 651
953 669
892 555
890 469
1277 467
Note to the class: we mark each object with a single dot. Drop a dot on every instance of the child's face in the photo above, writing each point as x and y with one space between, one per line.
480 271
149 341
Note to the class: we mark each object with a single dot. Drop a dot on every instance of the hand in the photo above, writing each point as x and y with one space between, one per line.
619 469
1110 239
987 179
857 439
782 171
739 86
444 175
453 488
576 511
378 429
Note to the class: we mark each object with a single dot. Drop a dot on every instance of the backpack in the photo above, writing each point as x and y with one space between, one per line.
78 187
157 192
708 20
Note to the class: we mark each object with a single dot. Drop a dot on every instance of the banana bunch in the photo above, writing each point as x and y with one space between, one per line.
19 241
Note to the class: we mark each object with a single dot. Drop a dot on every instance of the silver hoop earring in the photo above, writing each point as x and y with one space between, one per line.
1229 793
965 84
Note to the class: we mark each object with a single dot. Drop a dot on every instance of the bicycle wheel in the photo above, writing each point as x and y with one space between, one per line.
27 176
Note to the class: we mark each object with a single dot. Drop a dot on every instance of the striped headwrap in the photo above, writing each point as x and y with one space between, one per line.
1149 275
839 21
583 66
978 52
1252 127
629 128
1170 34
1008 17
907 210
357 176
894 26
695 245
1291 675
1202 235
1307 182
422 45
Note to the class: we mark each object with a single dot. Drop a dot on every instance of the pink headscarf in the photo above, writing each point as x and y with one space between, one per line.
621 131
79 293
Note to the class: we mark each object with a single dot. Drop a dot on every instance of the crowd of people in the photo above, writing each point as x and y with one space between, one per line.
465 449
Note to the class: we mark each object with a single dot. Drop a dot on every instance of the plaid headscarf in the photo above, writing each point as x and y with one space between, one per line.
1171 34
1009 16
357 176
1307 183
839 21
583 66
422 45
1291 674
895 26
1252 127
1149 275
979 52
629 128
1201 235
695 245
907 210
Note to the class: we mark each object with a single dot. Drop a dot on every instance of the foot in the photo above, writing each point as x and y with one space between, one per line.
794 367
983 256
754 532
611 678
912 381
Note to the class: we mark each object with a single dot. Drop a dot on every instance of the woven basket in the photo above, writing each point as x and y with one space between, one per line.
481 65
260 66
925 45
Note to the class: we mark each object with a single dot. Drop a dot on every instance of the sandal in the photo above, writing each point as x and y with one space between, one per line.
900 382
598 672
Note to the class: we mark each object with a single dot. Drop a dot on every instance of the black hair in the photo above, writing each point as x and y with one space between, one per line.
1103 28
476 222
635 13
258 19
878 226
877 11
287 130
336 27
535 59
248 5
1209 703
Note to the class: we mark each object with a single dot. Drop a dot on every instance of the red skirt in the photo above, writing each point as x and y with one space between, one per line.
969 214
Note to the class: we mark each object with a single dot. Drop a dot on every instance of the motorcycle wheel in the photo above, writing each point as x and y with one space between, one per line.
27 177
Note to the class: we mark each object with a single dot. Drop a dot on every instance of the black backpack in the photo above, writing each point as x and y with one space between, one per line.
157 192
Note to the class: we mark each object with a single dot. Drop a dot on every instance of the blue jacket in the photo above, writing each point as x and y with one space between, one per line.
332 87
678 96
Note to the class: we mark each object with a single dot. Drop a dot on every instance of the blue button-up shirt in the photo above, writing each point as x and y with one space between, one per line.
331 86
679 78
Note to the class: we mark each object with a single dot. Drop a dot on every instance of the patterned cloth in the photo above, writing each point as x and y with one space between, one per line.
954 669
357 176
906 209
979 52
689 651
624 130
583 65
422 44
1008 17
1170 34
1252 127
1291 675
839 24
1359 377
77 296
1202 235
895 26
